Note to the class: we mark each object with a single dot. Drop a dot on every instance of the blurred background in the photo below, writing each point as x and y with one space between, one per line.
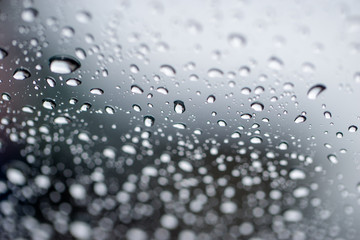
179 120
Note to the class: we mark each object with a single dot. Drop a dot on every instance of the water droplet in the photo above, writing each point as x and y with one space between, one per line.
215 73
21 74
256 140
67 32
237 40
275 63
136 89
136 107
352 128
293 215
245 91
80 53
327 115
162 90
49 103
185 166
73 82
129 149
134 69
15 176
85 107
228 207
5 97
332 158
179 106
62 120
168 70
51 81
80 230
339 134
257 106
3 53
83 17
97 91
63 64
259 90
235 135
179 126
300 119
221 123
109 110
244 71
315 91
301 192
149 121
73 101
283 146
28 109
211 99
245 116
297 174
29 14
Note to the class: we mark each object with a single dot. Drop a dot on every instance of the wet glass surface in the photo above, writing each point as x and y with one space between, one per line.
180 120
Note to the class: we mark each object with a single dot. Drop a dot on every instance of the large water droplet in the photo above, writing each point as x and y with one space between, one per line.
21 74
162 90
129 149
256 140
137 108
51 81
185 166
63 64
275 64
149 121
5 97
168 70
221 123
297 174
179 106
352 128
315 91
179 125
109 110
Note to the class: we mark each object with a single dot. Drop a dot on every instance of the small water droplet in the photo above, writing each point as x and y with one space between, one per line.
237 40
49 103
51 81
63 64
136 89
97 91
62 120
300 119
315 91
21 74
162 90
339 134
28 109
129 149
73 82
149 121
168 70
3 53
235 135
245 91
257 106
80 53
29 14
109 110
275 63
215 73
256 140
297 174
179 125
211 99
327 115
352 128
283 146
85 107
67 32
134 69
221 123
83 17
185 166
179 106
5 97
136 107
332 158
246 116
